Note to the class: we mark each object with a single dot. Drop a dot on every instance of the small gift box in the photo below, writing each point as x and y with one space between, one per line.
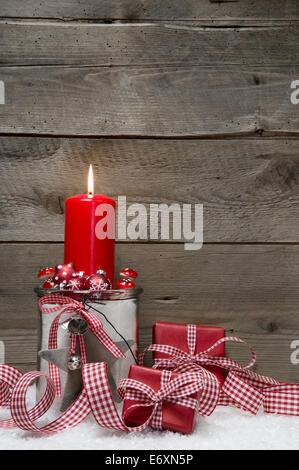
181 337
175 414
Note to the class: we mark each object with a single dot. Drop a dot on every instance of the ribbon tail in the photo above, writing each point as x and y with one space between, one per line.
82 349
54 374
101 403
242 394
24 419
282 399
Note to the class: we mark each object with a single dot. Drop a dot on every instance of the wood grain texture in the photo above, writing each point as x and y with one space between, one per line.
126 44
249 188
20 345
252 291
25 367
169 71
169 101
151 9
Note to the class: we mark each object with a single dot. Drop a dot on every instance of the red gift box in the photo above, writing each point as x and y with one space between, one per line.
175 417
174 334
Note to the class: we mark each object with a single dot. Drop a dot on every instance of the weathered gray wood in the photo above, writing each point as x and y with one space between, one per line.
249 188
25 367
145 44
151 9
159 73
169 101
250 290
20 345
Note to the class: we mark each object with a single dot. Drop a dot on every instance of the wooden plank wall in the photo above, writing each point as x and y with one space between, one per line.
171 101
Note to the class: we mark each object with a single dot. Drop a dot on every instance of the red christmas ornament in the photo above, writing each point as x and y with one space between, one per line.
129 273
46 273
49 284
64 272
77 282
125 284
98 281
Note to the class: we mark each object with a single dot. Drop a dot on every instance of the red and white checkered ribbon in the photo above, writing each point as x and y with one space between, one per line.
242 387
24 418
96 397
182 361
176 391
245 389
248 390
71 306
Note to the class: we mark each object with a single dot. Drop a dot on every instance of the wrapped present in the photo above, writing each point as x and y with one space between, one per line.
173 414
184 392
192 340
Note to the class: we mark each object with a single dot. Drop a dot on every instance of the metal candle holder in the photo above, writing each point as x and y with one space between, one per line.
118 311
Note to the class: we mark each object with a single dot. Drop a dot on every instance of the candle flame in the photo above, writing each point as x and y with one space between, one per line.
90 182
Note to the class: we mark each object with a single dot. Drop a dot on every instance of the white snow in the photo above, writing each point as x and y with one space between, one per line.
226 428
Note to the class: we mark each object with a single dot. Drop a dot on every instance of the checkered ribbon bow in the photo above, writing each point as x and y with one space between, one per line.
177 391
96 397
182 361
242 387
67 305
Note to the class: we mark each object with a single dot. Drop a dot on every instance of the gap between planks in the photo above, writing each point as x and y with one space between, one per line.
152 242
233 23
257 135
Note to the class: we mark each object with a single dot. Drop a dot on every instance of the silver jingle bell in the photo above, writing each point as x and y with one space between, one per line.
77 326
74 362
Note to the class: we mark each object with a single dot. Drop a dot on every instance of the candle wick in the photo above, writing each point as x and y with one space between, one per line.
90 182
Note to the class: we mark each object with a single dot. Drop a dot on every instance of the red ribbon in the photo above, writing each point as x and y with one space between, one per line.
96 397
71 306
181 361
250 391
177 391
242 387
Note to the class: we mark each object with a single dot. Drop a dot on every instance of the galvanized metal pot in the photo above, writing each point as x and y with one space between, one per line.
118 311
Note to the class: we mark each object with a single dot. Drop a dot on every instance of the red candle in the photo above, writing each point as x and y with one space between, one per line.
90 232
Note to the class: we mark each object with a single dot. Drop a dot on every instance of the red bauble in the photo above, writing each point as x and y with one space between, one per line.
49 284
125 284
129 273
46 273
64 272
98 281
77 282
